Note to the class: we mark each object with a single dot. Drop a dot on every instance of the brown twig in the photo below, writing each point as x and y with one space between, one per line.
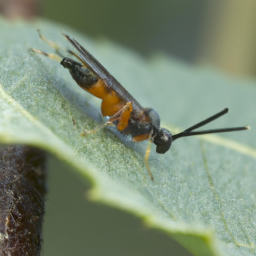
22 190
13 9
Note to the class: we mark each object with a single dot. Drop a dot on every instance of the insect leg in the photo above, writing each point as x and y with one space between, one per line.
146 159
49 55
57 47
87 132
120 115
123 116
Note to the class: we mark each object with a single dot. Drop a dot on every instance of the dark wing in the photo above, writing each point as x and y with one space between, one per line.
89 60
101 72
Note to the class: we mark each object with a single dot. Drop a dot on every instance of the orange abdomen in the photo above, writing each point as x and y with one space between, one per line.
111 103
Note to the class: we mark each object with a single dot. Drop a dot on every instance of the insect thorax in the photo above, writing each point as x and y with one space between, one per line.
143 122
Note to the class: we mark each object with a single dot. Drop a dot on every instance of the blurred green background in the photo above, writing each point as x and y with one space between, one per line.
145 26
215 33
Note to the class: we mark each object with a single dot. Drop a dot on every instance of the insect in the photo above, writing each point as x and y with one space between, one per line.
129 117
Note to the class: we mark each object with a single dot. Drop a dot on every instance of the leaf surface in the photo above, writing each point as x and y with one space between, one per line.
204 190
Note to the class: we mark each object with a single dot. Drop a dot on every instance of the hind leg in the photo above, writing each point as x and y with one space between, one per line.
121 117
49 55
57 47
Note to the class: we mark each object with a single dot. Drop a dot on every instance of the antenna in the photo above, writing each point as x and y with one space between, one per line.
189 131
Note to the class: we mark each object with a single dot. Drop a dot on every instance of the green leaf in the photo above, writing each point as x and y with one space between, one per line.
204 192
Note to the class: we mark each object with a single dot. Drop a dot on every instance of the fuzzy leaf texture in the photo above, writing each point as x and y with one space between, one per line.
204 190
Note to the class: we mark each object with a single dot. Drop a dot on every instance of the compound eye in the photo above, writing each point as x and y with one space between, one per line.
161 149
163 141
